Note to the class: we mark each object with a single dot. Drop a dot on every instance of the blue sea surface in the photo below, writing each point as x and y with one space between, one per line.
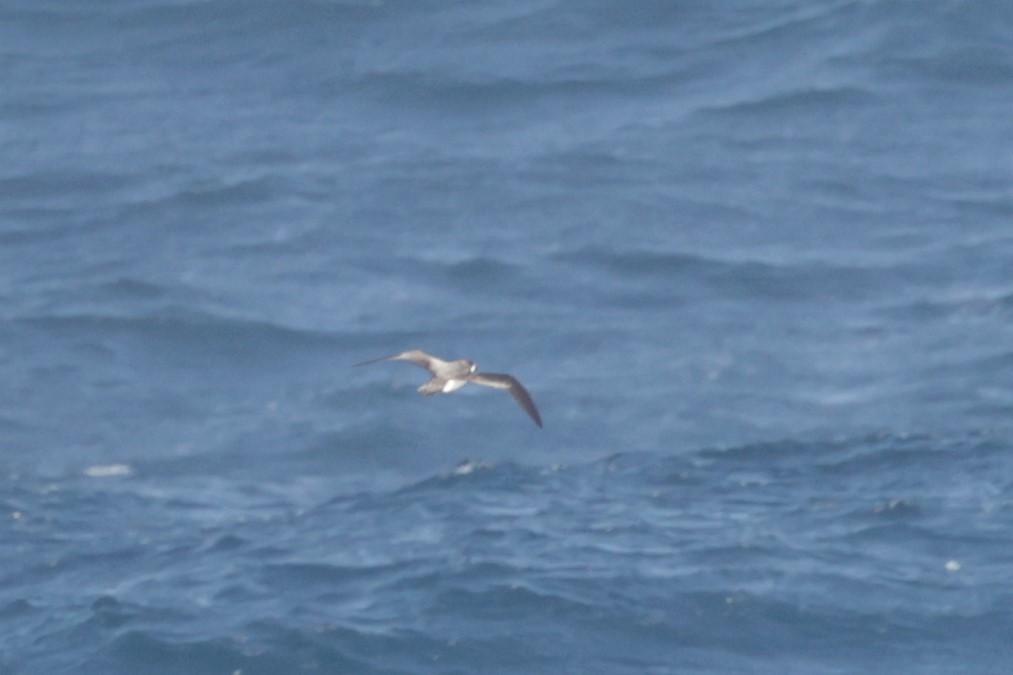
753 260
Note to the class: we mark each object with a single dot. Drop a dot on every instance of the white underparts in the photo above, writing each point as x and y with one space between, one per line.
452 385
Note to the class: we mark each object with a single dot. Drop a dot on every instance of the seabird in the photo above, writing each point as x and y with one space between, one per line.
450 376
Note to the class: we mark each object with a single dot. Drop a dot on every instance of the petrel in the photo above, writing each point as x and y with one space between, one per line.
450 376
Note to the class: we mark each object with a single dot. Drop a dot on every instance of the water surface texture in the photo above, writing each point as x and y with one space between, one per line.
753 260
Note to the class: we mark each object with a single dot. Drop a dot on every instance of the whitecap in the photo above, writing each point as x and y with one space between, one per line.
109 470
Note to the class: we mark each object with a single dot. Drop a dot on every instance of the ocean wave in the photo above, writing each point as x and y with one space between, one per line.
186 327
690 275
824 546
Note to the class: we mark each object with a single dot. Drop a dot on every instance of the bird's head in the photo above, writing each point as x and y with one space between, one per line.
472 366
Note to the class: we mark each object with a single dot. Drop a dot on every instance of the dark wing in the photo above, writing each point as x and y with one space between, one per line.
419 358
516 389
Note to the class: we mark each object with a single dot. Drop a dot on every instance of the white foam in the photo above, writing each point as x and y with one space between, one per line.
109 470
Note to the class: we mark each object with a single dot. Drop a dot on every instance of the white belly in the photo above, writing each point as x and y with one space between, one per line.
453 385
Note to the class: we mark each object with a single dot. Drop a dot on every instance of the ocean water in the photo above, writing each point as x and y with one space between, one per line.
753 260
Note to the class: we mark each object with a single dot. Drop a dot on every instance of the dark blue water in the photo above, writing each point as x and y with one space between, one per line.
754 261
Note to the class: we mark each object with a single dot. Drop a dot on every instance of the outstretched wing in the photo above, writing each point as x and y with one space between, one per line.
509 383
419 358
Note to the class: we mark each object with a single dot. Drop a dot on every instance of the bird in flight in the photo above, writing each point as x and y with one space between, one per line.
450 376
